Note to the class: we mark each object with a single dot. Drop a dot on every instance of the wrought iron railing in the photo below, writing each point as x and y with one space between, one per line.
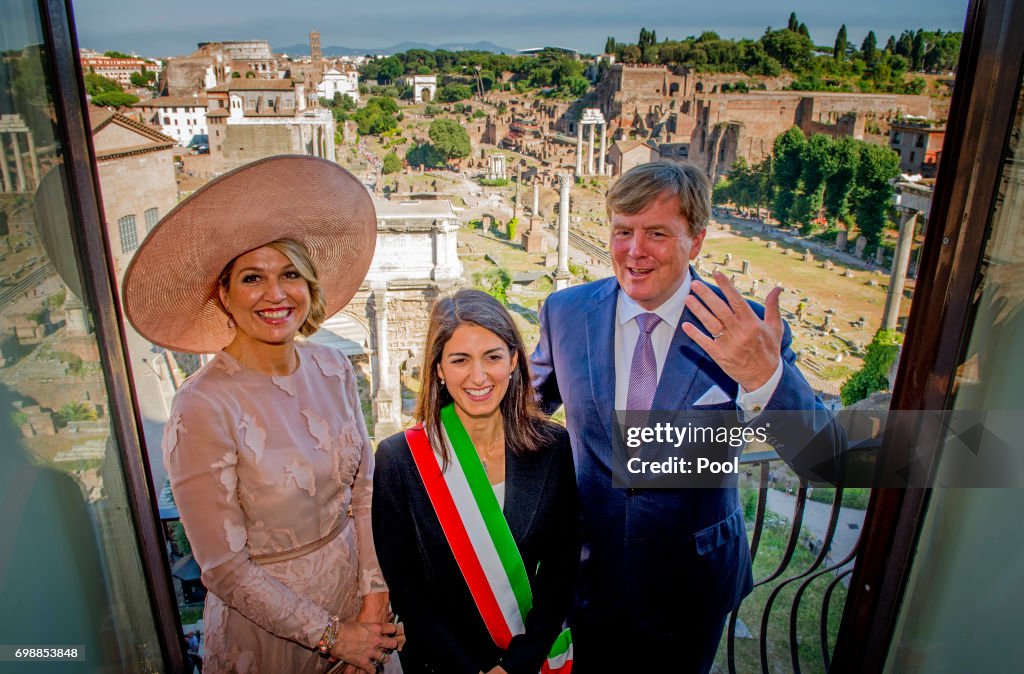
787 573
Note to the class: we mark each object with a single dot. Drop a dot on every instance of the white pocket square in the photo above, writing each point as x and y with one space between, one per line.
713 396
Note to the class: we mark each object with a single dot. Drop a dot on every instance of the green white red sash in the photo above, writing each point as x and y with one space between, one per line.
479 536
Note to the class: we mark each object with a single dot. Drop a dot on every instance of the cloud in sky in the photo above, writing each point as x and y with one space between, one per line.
173 28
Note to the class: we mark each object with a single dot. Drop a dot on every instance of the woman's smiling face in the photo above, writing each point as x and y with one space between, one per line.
475 366
266 296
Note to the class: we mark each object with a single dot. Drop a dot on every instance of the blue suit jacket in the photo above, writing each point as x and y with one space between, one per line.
656 558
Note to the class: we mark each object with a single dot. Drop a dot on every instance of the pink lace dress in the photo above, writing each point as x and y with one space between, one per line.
272 477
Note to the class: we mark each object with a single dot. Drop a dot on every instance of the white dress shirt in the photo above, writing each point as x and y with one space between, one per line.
671 312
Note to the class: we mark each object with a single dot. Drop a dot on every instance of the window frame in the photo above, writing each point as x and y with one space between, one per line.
96 262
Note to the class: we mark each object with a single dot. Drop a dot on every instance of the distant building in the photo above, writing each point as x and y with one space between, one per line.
136 173
424 87
337 81
117 69
180 117
249 119
544 51
718 125
187 75
919 145
625 154
254 54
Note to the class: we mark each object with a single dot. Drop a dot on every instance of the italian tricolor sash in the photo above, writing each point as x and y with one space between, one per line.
479 536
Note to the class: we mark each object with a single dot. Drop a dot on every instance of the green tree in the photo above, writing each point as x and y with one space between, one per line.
98 84
917 50
424 155
450 139
392 164
564 69
872 377
344 101
117 55
454 91
789 48
818 164
114 99
905 45
787 163
839 50
869 49
942 52
389 70
839 186
144 78
877 168
793 23
377 117
609 45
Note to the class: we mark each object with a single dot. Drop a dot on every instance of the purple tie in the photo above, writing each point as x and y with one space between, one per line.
643 374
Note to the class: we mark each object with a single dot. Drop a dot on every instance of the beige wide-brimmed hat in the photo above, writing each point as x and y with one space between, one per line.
170 287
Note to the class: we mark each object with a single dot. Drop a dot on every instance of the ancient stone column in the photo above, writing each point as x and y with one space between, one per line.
590 150
386 421
8 187
536 198
19 164
579 148
600 158
898 276
562 271
33 160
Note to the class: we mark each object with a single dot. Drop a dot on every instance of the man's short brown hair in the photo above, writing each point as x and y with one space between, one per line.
641 186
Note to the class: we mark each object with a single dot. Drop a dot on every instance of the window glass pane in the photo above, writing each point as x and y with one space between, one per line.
129 235
961 609
70 570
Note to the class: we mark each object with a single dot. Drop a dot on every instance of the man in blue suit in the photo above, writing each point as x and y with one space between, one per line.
662 568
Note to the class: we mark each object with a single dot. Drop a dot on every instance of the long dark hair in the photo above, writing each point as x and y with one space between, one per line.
526 427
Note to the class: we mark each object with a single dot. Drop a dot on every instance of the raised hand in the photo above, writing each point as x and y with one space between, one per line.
743 345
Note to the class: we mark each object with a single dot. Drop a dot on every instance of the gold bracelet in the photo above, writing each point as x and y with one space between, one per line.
330 636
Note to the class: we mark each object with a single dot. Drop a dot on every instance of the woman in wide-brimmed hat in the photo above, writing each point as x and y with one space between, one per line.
266 448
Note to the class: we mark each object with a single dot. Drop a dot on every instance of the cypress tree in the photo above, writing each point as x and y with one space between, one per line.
839 50
869 48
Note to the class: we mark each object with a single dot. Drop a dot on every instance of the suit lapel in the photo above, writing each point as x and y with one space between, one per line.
601 352
522 482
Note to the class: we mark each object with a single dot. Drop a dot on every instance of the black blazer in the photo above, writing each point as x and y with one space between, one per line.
442 624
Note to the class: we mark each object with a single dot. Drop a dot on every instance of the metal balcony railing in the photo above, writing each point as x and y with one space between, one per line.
787 581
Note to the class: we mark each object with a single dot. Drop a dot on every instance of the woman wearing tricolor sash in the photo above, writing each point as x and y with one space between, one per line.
474 508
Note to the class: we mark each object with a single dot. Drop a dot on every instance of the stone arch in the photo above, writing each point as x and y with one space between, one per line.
345 332
673 89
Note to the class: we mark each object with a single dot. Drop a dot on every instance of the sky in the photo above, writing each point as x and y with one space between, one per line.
173 27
